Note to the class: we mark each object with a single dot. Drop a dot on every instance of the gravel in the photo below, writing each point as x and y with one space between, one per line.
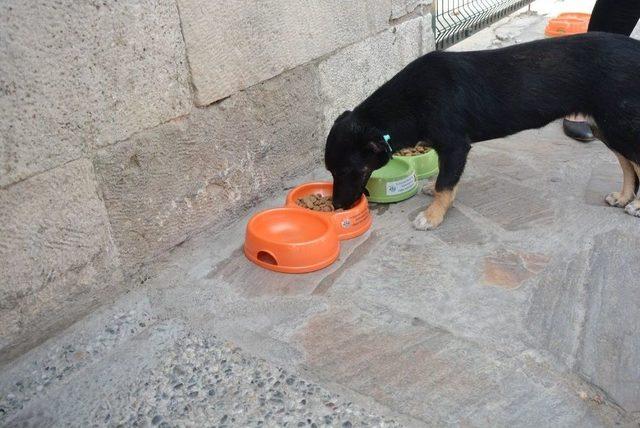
196 382
207 381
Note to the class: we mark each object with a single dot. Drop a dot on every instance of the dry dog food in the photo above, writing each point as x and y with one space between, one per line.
316 202
412 151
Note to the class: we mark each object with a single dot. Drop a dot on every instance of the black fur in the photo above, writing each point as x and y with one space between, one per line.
453 99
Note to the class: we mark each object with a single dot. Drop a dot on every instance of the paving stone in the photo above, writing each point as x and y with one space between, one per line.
609 355
251 280
556 311
459 229
605 178
167 376
509 269
437 376
512 206
500 164
576 314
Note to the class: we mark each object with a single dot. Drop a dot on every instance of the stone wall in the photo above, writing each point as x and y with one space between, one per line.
128 126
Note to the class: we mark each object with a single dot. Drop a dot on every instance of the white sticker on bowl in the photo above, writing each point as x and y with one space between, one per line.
401 186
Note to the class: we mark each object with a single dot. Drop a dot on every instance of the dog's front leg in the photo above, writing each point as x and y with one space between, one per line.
452 163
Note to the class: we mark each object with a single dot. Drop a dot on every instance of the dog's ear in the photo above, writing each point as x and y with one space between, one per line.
377 147
343 115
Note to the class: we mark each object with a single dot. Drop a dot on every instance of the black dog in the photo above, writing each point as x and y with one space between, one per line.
453 99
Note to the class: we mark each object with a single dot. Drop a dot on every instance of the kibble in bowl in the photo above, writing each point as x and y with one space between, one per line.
316 202
413 151
316 199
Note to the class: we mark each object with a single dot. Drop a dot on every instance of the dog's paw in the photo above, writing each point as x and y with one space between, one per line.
615 199
429 188
633 208
422 223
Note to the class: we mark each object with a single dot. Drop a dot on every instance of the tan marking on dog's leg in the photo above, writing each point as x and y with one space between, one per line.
429 188
435 212
633 207
622 198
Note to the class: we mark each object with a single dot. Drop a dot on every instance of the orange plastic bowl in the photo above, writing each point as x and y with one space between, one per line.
576 15
291 240
567 24
348 223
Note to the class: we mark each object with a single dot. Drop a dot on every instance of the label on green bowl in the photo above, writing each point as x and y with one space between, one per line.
401 186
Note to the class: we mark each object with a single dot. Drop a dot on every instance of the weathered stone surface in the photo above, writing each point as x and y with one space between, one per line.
609 355
352 74
164 184
168 376
404 8
585 312
76 75
250 280
510 205
458 229
405 318
483 160
510 268
57 259
268 37
437 376
556 310
605 178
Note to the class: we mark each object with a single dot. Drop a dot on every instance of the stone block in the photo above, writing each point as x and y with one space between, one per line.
352 74
585 312
556 308
609 355
57 259
164 184
508 268
436 375
403 8
79 75
604 179
512 206
268 37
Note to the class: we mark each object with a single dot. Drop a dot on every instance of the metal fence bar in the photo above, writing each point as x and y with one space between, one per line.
454 20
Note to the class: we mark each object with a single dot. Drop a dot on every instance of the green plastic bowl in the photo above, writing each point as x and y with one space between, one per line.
425 165
394 182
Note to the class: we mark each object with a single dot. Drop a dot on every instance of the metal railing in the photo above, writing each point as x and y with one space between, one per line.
454 20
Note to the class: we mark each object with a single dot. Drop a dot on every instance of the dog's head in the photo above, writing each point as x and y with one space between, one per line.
353 151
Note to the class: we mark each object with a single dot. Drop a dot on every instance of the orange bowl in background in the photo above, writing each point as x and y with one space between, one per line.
576 15
291 240
348 223
567 24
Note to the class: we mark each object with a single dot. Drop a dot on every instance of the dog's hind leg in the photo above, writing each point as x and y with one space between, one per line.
452 163
633 207
629 179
